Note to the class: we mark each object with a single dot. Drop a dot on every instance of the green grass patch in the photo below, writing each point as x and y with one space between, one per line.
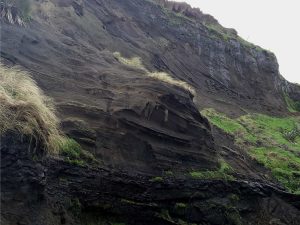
223 173
285 165
225 167
229 125
70 148
180 205
168 173
74 154
267 139
222 121
211 175
157 179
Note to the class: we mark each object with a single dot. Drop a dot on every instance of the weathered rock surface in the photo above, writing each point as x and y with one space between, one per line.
136 126
40 190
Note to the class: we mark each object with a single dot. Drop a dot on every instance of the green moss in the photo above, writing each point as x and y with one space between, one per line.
180 205
157 179
76 162
75 206
70 148
225 167
211 175
168 173
267 141
223 173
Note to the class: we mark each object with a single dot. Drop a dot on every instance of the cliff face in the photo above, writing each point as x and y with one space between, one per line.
191 46
37 190
138 122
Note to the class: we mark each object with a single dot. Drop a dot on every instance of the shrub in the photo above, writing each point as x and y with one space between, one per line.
292 134
24 108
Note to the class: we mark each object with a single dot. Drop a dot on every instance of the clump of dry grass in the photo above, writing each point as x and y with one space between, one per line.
132 62
136 62
165 77
24 108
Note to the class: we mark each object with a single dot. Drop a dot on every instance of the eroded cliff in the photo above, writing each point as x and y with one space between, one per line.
118 73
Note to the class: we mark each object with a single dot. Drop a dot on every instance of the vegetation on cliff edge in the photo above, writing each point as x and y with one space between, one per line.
136 62
25 109
268 139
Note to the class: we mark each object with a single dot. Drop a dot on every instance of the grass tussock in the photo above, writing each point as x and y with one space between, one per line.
135 62
272 141
25 109
132 62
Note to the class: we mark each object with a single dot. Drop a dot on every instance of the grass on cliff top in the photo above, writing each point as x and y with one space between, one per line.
136 62
272 141
218 32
